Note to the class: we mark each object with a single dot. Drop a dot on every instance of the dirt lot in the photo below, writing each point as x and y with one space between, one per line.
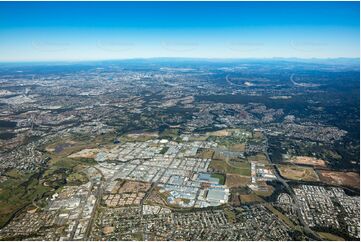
234 180
329 236
257 135
139 136
134 186
250 198
234 200
264 189
306 160
350 179
205 153
220 133
157 198
219 156
86 153
298 173
238 148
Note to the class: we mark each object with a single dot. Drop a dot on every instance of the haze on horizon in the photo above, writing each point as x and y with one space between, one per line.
76 31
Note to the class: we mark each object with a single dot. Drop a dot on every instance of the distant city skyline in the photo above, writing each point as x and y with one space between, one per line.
83 31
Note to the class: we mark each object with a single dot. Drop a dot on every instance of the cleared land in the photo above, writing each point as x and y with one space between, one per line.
234 180
131 137
250 198
297 173
306 160
257 135
351 179
205 153
86 153
220 133
264 189
157 198
329 236
134 186
237 147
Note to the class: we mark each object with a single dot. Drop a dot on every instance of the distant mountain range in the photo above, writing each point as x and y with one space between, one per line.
354 62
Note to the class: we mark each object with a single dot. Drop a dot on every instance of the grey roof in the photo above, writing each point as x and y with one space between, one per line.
215 195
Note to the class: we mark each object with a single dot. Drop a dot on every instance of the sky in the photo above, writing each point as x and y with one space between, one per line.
75 31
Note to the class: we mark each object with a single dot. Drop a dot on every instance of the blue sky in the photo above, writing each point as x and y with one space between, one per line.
37 31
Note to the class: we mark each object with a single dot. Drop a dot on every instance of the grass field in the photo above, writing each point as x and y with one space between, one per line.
221 177
298 173
233 139
20 189
77 143
231 216
169 133
259 158
16 193
164 150
76 178
240 168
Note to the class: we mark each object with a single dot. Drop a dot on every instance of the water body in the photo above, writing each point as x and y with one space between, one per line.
7 135
7 124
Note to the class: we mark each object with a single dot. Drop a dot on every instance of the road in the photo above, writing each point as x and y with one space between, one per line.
231 83
98 197
296 202
302 84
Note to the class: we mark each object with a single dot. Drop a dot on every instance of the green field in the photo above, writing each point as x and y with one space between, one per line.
222 166
21 189
164 150
221 177
169 134
18 192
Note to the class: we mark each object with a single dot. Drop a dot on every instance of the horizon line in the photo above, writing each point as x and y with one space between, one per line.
180 58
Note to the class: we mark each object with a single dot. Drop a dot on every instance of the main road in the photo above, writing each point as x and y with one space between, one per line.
297 204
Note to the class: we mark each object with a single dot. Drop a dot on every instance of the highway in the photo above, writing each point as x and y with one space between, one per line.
296 202
231 83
